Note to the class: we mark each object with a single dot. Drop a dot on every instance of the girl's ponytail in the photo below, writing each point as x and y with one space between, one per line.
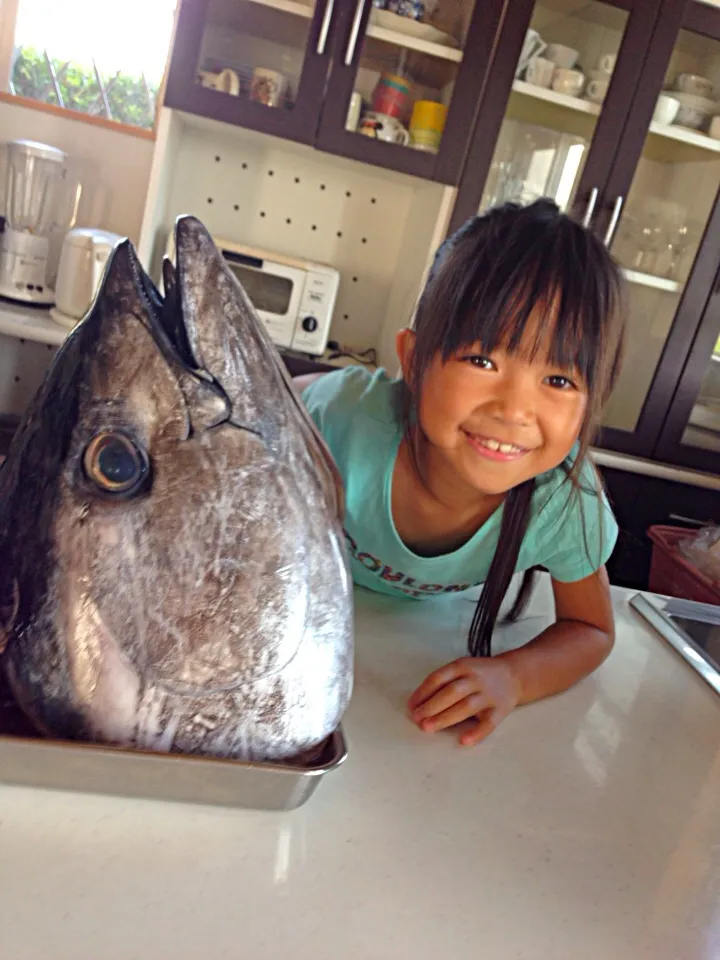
515 520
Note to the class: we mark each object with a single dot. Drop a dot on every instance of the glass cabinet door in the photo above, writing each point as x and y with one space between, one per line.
405 82
657 231
560 90
258 63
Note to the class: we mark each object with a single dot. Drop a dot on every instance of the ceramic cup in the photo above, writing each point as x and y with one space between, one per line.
226 81
427 124
597 90
561 56
267 87
381 127
697 86
540 72
606 63
666 109
570 82
715 128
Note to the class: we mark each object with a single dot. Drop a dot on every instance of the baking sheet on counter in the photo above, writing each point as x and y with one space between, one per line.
29 761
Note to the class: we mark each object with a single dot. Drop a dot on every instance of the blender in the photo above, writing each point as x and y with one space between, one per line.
34 172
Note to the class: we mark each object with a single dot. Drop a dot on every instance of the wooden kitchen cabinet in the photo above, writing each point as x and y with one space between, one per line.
322 53
648 188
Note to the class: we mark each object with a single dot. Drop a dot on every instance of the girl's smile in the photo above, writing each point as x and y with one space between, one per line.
495 420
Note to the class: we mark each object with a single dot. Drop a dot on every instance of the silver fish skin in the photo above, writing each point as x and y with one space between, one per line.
173 574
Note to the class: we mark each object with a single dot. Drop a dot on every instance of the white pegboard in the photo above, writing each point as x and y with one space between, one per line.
23 364
263 192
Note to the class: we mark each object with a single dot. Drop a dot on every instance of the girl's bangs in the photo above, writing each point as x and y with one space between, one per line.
540 305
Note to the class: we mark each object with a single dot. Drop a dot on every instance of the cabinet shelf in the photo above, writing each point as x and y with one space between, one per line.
650 280
547 108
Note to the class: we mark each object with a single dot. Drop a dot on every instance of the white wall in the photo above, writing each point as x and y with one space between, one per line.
113 167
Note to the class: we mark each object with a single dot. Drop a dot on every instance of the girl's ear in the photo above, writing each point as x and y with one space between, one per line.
405 346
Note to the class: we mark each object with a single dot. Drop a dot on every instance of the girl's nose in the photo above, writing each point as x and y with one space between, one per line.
513 403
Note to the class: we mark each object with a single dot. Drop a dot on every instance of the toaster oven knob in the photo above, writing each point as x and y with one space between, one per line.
309 324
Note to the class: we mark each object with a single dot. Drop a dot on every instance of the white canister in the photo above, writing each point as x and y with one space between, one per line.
85 252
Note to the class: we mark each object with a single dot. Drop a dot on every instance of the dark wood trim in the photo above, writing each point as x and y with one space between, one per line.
621 127
473 74
184 93
646 82
491 111
702 18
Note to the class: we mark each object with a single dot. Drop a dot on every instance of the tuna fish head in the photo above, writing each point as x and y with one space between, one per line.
173 569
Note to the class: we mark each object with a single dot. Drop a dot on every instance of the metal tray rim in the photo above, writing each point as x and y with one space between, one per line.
337 746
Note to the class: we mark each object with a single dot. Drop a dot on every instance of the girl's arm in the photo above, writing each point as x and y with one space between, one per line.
575 645
305 379
488 689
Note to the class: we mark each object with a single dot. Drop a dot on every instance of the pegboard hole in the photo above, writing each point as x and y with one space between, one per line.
297 179
348 194
373 200
339 233
244 166
17 379
210 199
271 173
355 279
236 206
262 213
364 239
217 159
314 226
346 316
288 221
322 186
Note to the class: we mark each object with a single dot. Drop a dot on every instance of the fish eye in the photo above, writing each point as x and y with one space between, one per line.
114 464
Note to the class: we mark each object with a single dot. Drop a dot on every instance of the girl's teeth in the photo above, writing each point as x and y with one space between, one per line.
502 447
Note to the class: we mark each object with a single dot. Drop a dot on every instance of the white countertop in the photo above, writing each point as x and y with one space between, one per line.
586 828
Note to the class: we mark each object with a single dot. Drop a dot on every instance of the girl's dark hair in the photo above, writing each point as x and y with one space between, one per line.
485 282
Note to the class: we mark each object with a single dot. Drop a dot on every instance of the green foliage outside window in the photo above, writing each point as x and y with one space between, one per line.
128 98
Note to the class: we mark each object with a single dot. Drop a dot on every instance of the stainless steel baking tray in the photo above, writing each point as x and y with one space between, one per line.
29 761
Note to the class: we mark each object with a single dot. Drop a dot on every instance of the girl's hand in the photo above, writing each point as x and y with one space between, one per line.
471 687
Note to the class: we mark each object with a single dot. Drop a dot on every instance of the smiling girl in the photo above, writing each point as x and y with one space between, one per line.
473 464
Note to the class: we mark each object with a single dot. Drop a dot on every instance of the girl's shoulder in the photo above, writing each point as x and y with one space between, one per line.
574 525
350 393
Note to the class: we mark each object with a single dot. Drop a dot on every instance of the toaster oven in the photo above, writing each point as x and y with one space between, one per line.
294 298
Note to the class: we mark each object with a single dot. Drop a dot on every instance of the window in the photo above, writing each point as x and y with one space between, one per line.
99 57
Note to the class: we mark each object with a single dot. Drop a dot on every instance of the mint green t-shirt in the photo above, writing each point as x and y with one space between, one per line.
570 534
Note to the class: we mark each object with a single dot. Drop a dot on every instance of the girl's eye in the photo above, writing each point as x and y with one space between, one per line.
480 361
560 383
115 465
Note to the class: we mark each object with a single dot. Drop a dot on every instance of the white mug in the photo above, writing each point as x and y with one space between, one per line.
697 86
607 62
533 46
380 126
226 81
562 56
597 90
666 109
570 82
540 72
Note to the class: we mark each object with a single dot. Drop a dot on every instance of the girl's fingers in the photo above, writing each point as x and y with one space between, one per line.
462 710
483 728
448 695
438 679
